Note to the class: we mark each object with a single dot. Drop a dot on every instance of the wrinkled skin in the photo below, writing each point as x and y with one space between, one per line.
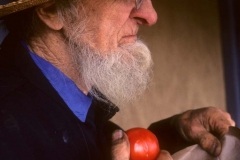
164 155
120 146
203 126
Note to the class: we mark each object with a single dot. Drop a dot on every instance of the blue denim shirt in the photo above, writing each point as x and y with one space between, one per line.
75 99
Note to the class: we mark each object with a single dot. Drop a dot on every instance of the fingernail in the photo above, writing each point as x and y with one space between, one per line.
215 149
118 134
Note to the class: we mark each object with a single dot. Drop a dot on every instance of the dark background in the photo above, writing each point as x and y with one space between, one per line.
230 31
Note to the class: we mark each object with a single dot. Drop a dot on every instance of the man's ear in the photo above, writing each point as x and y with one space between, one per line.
48 14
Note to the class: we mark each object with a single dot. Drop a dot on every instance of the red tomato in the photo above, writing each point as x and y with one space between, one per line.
143 144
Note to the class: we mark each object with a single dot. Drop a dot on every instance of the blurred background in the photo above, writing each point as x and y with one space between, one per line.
188 44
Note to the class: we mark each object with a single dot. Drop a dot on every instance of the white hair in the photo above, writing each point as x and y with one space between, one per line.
120 75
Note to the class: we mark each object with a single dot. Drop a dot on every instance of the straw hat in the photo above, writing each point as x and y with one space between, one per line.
18 5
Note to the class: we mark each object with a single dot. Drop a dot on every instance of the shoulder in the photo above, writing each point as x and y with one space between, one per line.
10 80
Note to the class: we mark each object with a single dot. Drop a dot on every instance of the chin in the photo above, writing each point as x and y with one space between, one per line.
121 75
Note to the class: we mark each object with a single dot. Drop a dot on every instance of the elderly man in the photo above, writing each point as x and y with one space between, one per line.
65 68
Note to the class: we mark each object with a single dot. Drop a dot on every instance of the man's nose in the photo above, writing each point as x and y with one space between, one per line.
146 14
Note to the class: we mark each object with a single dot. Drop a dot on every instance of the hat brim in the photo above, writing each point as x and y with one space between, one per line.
18 6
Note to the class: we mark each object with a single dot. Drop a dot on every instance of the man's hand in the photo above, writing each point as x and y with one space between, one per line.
121 148
205 126
164 155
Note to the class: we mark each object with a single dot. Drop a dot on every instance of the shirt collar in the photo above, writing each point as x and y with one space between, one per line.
75 99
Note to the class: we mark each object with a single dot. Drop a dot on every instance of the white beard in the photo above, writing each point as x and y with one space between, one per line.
121 75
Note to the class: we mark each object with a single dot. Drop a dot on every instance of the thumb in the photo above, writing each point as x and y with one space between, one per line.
209 143
120 146
164 155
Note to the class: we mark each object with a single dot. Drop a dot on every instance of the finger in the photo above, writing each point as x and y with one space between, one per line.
195 126
233 123
164 155
208 142
120 146
219 122
228 117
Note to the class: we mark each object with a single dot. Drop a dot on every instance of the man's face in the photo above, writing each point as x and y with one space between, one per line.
104 47
112 23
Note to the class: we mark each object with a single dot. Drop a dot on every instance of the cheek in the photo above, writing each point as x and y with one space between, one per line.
107 34
107 25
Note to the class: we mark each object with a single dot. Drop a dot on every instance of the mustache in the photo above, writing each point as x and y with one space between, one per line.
121 75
